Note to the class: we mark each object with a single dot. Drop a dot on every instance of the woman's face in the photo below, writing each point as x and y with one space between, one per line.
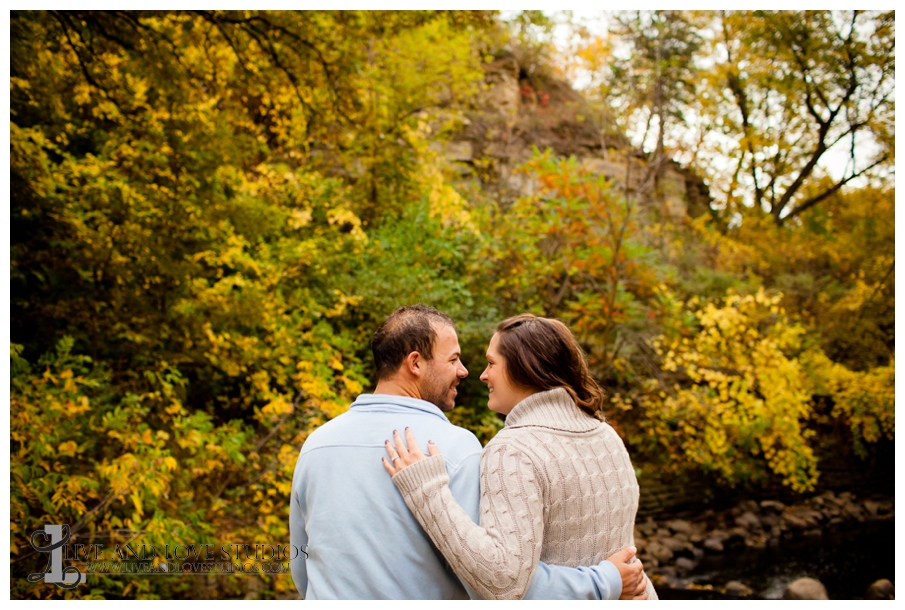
503 393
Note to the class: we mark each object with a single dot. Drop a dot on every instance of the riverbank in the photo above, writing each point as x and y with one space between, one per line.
752 549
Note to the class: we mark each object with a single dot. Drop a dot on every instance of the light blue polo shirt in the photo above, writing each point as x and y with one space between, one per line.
362 542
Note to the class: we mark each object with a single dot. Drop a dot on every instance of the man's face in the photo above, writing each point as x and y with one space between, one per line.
443 373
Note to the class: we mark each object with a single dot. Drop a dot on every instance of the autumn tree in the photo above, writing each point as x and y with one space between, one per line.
737 396
571 250
789 87
835 265
654 80
756 101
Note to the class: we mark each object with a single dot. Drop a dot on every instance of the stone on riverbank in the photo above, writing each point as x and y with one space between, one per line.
748 505
802 518
648 528
659 552
747 520
734 587
773 505
805 588
674 544
872 508
714 544
881 589
640 543
768 521
855 511
680 526
737 535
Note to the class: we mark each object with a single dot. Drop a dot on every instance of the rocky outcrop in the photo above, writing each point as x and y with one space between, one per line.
526 108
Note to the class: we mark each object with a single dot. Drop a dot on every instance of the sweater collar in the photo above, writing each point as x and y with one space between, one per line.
551 409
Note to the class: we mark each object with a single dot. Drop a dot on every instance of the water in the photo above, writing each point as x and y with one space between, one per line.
846 560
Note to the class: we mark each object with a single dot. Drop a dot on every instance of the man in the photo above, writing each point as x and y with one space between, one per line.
359 538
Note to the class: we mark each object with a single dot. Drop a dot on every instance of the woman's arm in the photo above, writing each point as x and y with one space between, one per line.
497 558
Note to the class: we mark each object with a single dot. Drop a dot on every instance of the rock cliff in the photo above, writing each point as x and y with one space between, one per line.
525 108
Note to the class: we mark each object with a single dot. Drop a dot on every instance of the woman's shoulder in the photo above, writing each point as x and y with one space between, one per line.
510 450
535 444
604 427
513 441
505 438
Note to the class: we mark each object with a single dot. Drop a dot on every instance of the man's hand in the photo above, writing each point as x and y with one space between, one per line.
630 569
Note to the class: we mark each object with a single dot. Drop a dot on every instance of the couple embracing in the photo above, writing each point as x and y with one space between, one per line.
545 511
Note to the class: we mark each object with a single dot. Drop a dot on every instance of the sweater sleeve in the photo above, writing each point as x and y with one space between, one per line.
498 557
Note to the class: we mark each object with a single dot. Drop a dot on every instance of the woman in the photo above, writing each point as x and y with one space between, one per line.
557 484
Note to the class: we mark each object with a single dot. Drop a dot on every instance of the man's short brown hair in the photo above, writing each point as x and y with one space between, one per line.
411 328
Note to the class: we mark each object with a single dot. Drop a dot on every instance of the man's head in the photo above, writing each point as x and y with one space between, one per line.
417 346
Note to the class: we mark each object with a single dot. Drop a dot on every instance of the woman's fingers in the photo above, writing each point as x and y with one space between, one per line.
401 449
387 465
405 453
392 465
414 450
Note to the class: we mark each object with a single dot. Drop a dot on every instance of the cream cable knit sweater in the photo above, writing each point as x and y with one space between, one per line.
556 486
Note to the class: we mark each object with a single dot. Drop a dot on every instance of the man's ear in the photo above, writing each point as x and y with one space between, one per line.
414 363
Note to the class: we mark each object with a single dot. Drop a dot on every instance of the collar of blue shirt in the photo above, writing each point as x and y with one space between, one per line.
392 402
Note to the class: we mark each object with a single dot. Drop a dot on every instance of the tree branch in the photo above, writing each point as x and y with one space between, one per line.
809 203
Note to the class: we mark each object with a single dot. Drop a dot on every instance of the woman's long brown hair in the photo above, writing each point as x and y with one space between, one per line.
542 354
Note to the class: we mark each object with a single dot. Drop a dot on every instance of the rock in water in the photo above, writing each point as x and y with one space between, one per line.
660 552
747 520
882 589
805 588
772 505
714 544
679 526
734 587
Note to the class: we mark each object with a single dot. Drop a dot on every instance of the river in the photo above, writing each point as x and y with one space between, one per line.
846 560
